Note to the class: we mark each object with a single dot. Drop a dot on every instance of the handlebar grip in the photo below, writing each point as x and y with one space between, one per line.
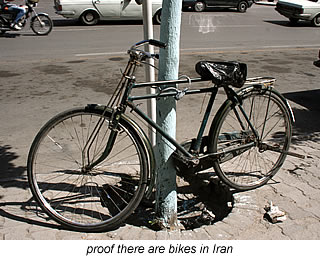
157 43
156 56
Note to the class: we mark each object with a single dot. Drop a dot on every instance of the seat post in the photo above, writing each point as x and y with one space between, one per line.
232 95
195 147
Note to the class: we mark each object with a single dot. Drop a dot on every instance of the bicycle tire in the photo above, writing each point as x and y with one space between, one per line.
252 167
90 201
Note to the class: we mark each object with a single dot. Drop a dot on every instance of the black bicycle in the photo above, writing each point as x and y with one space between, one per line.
89 167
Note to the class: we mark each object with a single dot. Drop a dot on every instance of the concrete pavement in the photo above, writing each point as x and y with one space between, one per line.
33 91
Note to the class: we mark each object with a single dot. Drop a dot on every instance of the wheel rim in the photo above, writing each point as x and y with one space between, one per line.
89 17
252 167
317 21
199 6
242 7
84 198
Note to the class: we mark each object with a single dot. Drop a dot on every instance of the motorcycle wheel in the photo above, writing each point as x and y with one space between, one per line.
41 24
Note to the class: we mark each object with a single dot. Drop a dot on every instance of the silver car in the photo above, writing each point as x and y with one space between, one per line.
297 10
89 12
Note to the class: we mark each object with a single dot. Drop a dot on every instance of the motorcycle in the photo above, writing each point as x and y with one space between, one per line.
317 62
41 24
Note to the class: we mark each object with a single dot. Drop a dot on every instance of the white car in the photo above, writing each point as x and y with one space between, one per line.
89 12
296 10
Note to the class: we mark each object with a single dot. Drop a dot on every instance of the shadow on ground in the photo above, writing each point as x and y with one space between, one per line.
9 173
287 23
74 22
307 123
202 200
12 176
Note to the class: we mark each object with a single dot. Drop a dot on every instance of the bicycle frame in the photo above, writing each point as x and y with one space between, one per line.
128 101
173 93
122 99
196 145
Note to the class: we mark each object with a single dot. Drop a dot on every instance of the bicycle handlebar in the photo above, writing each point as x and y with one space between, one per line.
157 43
136 52
151 42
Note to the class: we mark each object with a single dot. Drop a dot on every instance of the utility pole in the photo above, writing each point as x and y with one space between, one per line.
166 193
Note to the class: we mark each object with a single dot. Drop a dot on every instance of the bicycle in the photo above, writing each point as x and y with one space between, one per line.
89 167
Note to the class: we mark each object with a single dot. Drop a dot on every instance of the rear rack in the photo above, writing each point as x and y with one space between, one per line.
260 80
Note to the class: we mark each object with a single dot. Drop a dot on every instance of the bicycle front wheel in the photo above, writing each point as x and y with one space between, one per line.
79 197
262 156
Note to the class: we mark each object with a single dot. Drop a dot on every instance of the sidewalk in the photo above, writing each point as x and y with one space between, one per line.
27 102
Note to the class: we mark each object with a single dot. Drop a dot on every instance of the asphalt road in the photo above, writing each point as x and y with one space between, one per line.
260 28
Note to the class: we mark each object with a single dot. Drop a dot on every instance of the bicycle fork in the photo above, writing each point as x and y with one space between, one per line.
86 162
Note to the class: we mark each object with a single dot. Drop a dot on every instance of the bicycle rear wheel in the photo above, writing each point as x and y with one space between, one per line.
259 160
76 197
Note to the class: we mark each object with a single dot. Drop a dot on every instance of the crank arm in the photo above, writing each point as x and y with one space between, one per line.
278 150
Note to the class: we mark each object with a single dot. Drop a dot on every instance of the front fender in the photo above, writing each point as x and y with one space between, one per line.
39 14
44 14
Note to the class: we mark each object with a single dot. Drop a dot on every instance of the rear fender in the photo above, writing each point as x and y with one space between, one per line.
93 10
270 87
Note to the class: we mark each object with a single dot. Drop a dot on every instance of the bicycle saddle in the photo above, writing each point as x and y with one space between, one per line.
223 73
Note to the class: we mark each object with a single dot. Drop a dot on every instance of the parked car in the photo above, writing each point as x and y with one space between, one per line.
296 10
201 5
89 12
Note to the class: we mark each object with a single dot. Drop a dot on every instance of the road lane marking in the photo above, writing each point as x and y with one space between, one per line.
100 54
84 29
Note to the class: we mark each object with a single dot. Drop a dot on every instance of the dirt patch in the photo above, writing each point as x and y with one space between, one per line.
96 85
54 69
7 74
